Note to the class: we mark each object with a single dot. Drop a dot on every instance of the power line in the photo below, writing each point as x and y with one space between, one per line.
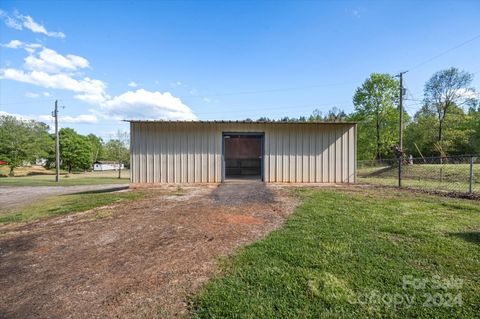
274 89
270 90
313 106
445 52
206 95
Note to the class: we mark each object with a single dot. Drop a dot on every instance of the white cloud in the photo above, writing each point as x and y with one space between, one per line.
48 69
50 61
14 44
18 116
32 95
207 100
10 22
31 47
467 94
139 104
143 104
82 118
19 22
70 119
89 90
33 26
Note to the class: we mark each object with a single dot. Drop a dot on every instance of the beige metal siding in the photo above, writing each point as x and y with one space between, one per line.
183 152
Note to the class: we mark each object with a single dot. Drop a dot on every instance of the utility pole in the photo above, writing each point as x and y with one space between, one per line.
400 142
57 144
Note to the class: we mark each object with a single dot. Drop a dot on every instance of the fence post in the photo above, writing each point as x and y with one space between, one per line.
470 189
441 169
400 172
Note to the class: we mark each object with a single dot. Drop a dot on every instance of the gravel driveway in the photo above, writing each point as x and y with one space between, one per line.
138 259
12 197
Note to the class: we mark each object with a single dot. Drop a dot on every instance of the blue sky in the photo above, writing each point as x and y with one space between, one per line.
112 60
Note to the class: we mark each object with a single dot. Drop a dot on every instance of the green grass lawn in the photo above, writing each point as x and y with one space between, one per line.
445 177
431 185
64 204
437 172
88 178
343 252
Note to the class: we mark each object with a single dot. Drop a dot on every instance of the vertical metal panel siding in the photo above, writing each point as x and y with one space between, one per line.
170 152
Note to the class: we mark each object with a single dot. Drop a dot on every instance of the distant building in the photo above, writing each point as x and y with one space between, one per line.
107 166
41 161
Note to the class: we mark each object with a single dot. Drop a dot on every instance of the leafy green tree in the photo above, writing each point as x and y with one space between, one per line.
98 151
419 136
75 150
375 109
264 119
457 133
446 90
335 114
22 141
316 116
474 125
116 150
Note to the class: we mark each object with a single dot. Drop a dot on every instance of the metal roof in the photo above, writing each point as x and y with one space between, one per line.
242 122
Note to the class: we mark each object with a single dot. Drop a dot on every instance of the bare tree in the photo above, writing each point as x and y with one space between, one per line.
446 89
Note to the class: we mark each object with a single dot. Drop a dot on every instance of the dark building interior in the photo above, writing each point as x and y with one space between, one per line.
243 156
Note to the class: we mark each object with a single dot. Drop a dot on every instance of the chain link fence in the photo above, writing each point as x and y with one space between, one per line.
455 174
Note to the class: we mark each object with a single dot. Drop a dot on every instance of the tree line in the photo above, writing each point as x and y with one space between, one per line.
26 141
447 123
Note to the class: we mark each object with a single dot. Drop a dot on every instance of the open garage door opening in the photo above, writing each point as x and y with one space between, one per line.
243 156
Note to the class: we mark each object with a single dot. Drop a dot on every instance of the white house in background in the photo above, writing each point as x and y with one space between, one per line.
107 166
41 161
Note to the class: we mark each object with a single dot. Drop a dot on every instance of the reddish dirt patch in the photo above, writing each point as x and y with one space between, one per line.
242 219
141 259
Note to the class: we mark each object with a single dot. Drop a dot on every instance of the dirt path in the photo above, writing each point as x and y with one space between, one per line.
142 259
12 197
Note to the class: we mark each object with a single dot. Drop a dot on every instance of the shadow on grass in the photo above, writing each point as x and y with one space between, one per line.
38 173
472 237
378 172
100 191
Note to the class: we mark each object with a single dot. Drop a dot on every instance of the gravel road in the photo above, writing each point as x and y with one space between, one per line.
12 197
